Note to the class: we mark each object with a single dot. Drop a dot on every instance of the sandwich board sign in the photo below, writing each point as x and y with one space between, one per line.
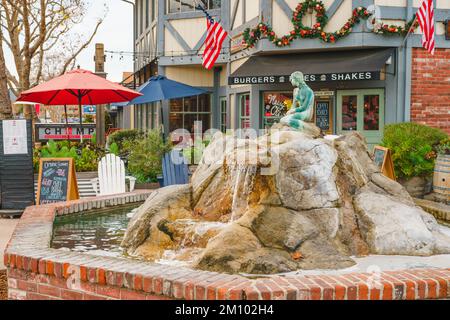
57 181
383 159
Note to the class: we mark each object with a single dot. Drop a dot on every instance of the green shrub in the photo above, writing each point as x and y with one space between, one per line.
145 156
114 149
444 147
414 148
120 137
86 155
87 161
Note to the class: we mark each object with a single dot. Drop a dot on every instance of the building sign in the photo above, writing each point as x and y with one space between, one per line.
327 77
15 137
45 132
324 93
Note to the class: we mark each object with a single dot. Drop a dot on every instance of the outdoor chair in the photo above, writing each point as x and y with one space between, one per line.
111 177
175 169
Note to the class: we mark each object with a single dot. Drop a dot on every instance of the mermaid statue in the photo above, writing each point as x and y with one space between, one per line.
302 111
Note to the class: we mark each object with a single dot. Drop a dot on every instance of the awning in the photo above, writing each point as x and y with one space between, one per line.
354 65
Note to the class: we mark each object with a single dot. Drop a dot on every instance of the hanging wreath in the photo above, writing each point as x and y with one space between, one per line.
252 36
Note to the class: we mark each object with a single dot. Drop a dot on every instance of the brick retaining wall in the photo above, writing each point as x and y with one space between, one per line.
35 271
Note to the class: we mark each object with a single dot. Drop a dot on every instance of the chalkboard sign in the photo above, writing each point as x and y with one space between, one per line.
383 159
323 116
57 181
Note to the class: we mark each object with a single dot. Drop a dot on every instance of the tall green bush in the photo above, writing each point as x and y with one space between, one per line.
122 136
414 148
86 155
145 156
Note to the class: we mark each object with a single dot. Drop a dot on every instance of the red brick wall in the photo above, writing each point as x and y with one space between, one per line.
430 92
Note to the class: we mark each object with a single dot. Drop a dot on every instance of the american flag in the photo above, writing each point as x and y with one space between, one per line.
425 17
215 37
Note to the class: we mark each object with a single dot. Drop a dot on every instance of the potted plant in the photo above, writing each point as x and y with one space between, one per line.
414 151
441 178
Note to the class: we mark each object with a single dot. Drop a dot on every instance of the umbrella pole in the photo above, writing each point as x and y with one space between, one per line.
81 117
67 121
162 122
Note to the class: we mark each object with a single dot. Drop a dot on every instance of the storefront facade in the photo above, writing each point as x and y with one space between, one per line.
362 82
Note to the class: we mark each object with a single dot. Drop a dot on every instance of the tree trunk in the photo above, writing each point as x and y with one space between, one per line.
5 101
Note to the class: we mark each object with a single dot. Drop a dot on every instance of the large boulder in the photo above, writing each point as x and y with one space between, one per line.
282 202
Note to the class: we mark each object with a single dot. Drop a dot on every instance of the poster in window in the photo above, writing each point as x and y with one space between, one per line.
323 115
276 104
15 137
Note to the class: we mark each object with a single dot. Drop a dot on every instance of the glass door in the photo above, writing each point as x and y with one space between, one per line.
363 111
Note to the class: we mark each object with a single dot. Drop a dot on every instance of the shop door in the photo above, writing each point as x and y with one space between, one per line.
363 111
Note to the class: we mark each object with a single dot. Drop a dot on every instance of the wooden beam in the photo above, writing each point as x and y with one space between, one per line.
177 36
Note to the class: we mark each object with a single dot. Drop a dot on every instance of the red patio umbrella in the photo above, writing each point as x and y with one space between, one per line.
78 87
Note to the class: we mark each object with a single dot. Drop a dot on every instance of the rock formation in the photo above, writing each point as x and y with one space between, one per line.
283 202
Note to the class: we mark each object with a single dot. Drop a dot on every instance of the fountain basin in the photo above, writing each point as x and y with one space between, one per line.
37 271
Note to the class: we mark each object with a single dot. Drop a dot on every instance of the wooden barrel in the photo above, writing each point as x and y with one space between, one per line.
441 180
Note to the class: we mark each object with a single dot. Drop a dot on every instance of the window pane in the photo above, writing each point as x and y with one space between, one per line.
349 113
206 121
176 121
245 106
223 115
189 121
372 113
190 104
176 105
147 13
214 4
187 5
174 6
204 103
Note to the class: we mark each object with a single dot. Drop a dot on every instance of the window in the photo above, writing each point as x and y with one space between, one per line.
147 13
175 6
185 112
372 112
141 16
276 104
153 9
244 111
349 112
223 114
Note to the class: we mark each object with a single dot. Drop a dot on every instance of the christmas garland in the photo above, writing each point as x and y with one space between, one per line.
252 36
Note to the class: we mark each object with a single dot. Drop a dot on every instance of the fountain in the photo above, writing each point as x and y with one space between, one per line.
286 201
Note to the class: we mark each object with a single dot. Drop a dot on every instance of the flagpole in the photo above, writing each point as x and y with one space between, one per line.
411 28
199 7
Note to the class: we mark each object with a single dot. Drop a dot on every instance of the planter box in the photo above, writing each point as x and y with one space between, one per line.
147 186
417 187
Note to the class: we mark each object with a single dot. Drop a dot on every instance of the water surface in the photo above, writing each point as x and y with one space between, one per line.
98 233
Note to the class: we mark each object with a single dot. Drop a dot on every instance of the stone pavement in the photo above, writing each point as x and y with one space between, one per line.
7 227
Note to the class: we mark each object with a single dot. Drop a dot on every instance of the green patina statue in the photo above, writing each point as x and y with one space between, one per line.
302 110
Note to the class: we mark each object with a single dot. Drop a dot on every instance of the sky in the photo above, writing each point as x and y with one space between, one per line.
116 33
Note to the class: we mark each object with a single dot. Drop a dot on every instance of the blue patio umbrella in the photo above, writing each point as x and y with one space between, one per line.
160 88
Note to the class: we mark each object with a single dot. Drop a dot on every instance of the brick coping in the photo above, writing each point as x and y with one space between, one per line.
36 271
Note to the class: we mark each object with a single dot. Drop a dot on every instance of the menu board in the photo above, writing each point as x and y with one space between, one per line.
323 115
57 181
